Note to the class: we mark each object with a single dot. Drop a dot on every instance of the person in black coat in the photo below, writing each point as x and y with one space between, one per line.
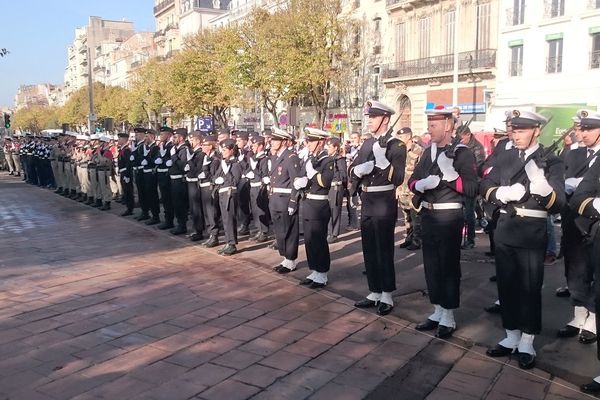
258 161
163 178
125 166
193 169
176 164
338 188
148 154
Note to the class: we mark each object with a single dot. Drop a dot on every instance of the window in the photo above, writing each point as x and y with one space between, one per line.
555 8
516 60
518 12
449 24
483 23
424 37
400 42
554 63
595 55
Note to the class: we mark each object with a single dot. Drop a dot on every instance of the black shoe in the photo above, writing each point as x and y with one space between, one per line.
212 241
384 308
499 351
489 254
194 237
89 201
178 230
284 270
590 388
332 239
106 206
413 246
153 221
563 292
444 332
165 225
98 204
82 198
567 332
126 213
57 191
142 217
317 285
244 230
468 246
493 278
228 250
405 244
526 361
587 337
305 281
366 303
493 309
278 267
261 238
428 325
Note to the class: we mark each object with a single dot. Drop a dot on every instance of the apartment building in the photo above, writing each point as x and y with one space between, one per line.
44 94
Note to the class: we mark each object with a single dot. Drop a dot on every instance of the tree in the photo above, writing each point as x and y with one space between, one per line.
115 104
149 92
76 110
36 118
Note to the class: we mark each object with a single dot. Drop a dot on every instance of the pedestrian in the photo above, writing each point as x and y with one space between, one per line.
227 177
339 186
176 161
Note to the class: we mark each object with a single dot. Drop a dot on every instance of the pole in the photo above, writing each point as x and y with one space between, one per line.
91 116
456 39
476 57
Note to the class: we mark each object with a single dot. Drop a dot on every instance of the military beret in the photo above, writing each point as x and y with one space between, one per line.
228 143
7 138
334 141
150 132
527 119
373 107
123 135
257 139
166 129
405 130
208 139
139 129
589 119
242 135
181 131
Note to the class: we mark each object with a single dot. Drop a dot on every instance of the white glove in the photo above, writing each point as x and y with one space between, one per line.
571 184
126 179
250 175
187 167
446 165
144 163
431 182
300 183
310 171
219 180
291 211
266 180
596 204
169 163
158 161
534 173
131 158
506 194
224 166
364 169
206 161
381 160
540 187
202 175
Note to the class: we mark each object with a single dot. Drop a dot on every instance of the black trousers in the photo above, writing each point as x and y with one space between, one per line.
259 201
210 211
578 266
336 198
151 189
594 254
164 185
141 189
352 208
377 234
287 233
243 208
315 243
180 200
442 236
520 275
128 193
228 203
195 204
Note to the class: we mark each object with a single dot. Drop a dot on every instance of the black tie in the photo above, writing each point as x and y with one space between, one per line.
522 156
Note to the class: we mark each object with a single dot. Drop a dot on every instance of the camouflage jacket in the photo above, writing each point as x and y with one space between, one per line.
403 193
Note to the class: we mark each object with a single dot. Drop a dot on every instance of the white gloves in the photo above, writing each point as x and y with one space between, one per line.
158 161
202 175
537 180
300 183
219 180
541 188
266 180
169 163
381 160
224 166
310 171
510 193
250 175
364 169
431 182
446 165
571 184
596 204
187 167
291 211
131 158
144 163
126 179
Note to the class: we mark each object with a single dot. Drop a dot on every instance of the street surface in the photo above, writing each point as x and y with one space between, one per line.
96 306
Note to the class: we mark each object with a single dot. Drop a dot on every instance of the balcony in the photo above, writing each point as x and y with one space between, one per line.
439 65
554 65
163 5
515 16
393 5
135 64
595 59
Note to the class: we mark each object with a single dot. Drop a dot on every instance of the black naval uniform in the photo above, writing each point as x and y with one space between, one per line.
336 194
379 212
210 208
125 166
193 169
230 173
164 181
136 158
285 167
244 208
150 154
521 238
259 196
176 165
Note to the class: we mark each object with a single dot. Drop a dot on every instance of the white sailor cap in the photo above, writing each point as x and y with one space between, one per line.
315 134
527 119
438 112
373 107
589 119
278 133
94 136
104 138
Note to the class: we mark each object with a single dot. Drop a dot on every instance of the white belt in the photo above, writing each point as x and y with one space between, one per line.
336 183
147 170
122 169
139 167
205 184
191 179
317 196
255 184
282 190
176 176
441 206
162 169
227 189
526 212
383 188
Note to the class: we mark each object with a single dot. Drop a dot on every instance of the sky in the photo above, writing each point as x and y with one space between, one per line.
38 32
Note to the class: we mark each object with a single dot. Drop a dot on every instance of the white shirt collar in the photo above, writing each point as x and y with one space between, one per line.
531 150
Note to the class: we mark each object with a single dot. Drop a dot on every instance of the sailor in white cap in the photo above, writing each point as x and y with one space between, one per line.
527 191
375 173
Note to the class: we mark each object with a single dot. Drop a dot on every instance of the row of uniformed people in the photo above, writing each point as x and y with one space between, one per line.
11 149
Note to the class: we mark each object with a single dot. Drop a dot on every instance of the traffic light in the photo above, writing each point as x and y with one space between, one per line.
6 120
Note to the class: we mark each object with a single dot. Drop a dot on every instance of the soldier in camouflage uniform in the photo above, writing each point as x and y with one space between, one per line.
412 220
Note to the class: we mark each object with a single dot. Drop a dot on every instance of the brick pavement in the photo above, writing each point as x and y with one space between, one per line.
94 306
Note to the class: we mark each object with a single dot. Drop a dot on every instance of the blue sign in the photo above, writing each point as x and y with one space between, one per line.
204 124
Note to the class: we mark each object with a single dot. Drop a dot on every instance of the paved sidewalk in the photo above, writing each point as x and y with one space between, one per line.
95 306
